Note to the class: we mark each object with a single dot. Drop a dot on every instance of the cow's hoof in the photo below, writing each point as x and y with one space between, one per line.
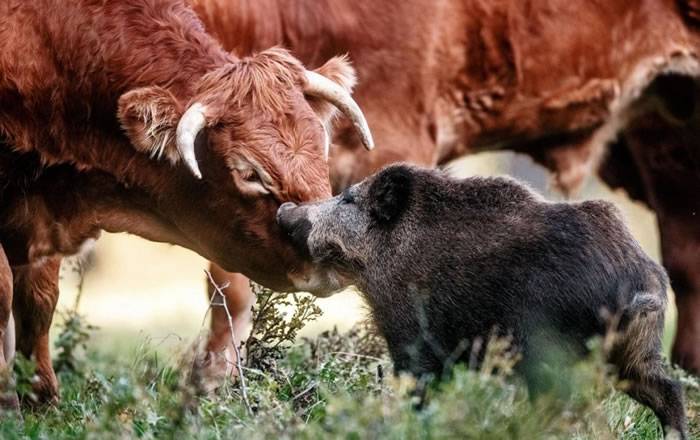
38 400
46 391
211 371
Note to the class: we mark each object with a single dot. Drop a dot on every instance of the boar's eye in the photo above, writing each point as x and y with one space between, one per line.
346 197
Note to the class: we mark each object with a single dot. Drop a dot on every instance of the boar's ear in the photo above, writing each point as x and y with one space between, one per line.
389 194
150 115
338 70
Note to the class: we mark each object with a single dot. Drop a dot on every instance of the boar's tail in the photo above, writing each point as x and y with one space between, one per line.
644 303
640 329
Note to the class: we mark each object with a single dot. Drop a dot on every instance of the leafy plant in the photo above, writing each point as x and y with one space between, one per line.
74 330
24 371
71 343
277 320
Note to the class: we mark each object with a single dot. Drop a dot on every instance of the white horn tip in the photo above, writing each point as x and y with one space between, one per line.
365 137
197 173
368 143
194 167
319 85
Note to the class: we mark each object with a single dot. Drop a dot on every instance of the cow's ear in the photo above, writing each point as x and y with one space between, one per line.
338 70
390 194
150 115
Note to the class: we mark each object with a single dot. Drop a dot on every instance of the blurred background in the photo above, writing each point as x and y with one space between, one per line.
134 290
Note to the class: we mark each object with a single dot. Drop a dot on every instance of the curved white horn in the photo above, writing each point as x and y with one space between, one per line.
192 121
322 87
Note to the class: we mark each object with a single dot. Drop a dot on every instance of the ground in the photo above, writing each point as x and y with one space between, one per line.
336 385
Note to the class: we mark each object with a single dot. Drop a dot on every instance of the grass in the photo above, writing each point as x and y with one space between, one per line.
333 386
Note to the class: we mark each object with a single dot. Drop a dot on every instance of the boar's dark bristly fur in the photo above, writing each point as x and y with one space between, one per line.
443 262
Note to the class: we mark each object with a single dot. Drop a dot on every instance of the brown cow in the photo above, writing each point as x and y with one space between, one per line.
125 115
556 79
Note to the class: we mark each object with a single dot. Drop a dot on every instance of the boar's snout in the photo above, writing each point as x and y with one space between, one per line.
294 222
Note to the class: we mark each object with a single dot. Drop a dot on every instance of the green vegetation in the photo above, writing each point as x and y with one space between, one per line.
333 386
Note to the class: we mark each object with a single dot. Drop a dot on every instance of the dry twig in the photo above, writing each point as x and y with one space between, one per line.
239 367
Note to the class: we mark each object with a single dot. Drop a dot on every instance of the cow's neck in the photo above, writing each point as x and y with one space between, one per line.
69 207
139 195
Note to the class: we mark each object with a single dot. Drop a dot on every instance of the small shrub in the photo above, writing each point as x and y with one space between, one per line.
74 330
71 343
277 320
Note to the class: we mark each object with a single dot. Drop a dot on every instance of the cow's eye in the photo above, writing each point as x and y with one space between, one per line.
250 176
250 183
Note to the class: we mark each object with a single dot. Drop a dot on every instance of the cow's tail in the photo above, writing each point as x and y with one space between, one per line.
690 10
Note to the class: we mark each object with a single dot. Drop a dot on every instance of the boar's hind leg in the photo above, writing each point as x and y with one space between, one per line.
637 355
664 396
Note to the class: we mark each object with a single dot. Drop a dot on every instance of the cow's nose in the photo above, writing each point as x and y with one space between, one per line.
283 210
293 222
286 206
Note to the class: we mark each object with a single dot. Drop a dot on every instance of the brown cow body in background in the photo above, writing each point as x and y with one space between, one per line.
556 79
125 115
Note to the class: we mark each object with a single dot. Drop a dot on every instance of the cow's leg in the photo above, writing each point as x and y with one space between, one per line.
36 294
657 162
672 187
220 356
8 396
680 245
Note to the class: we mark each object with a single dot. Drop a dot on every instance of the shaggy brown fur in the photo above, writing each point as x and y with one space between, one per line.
154 60
666 176
91 93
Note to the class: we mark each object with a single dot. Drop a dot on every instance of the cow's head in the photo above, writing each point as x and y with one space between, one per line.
254 135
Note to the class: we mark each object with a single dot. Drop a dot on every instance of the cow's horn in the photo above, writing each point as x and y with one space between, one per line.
190 124
322 87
